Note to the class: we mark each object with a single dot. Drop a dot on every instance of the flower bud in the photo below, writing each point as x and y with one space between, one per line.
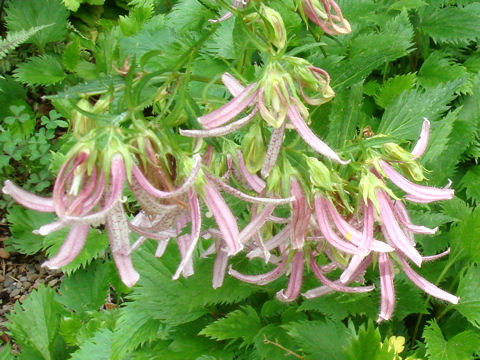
82 124
319 174
326 14
274 27
406 161
253 149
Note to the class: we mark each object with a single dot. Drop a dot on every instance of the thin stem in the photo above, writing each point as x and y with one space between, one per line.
288 351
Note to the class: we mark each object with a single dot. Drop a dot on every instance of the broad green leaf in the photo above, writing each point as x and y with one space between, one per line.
460 347
40 70
469 305
453 25
15 38
471 183
25 14
222 42
345 116
404 116
5 352
409 300
367 344
86 289
462 239
188 14
242 323
393 87
35 323
71 55
98 347
407 4
320 339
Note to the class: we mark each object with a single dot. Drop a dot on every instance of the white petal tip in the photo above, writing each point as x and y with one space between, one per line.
131 280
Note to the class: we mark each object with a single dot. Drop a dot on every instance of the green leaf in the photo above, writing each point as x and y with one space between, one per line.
35 323
409 300
461 346
469 305
188 14
86 289
273 342
404 116
15 38
98 347
345 116
393 87
222 42
23 222
471 183
72 5
5 352
439 68
320 339
452 25
25 14
40 70
462 239
71 55
407 4
367 344
242 323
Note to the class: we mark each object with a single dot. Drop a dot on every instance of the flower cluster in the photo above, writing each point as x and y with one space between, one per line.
335 223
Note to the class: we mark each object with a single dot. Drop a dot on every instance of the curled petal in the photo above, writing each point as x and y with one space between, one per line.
402 215
149 204
230 110
150 189
117 230
277 240
261 279
437 256
224 17
70 248
274 146
220 267
232 84
309 137
27 199
46 229
422 142
256 223
253 180
393 231
225 220
295 281
425 285
387 289
423 193
301 214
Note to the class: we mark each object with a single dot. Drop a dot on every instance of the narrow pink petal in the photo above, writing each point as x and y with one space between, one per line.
230 110
310 138
300 216
196 217
261 279
27 199
222 130
241 195
273 150
46 229
162 246
425 193
425 285
256 183
117 230
150 189
295 281
401 214
224 17
393 230
327 231
255 224
280 238
422 142
335 285
232 84
148 203
387 289
349 232
437 256
220 267
70 248
223 215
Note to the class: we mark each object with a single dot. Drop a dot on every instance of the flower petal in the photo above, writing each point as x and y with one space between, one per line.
295 281
256 183
232 84
300 216
422 142
387 289
273 150
27 199
261 279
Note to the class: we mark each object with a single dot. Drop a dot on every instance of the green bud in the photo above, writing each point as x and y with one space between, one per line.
319 174
274 27
406 162
253 149
82 124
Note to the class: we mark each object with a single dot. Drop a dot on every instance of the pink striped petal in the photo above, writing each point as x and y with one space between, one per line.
46 229
424 193
300 216
225 220
70 248
280 238
255 224
232 84
220 267
295 281
261 279
422 142
27 199
401 214
256 183
437 256
273 150
387 288
230 110
425 285
393 231
309 137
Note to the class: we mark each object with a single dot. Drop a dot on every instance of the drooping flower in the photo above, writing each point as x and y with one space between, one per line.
326 14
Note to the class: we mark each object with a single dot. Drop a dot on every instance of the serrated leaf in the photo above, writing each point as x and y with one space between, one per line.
72 5
98 347
461 346
407 4
25 14
40 70
222 43
393 87
469 305
404 116
242 323
367 344
23 222
188 14
438 68
86 289
462 239
345 116
15 38
320 339
471 183
409 300
35 323
453 25
71 55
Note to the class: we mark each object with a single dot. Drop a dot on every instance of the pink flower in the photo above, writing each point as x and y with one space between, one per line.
327 15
